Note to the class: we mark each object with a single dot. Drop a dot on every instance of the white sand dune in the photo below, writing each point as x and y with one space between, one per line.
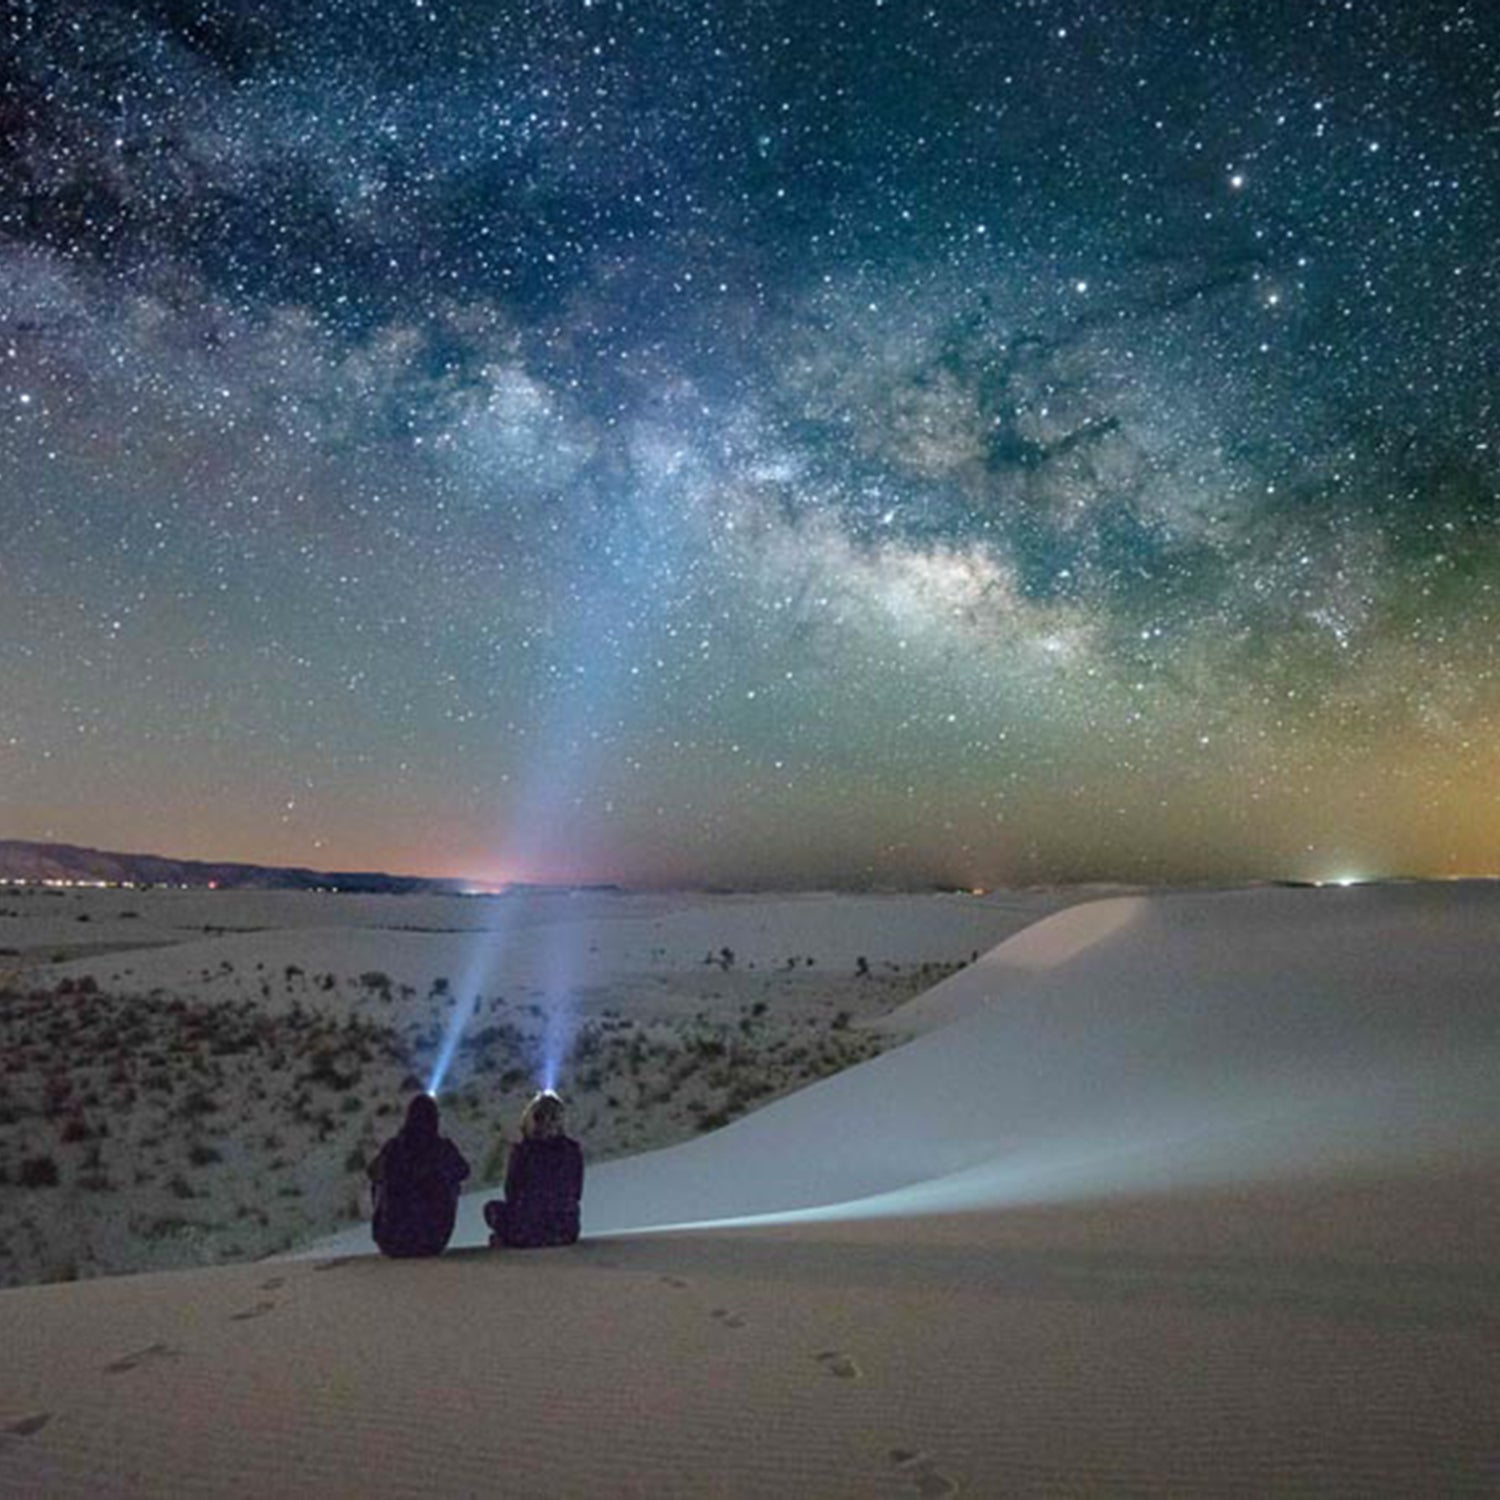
1128 1044
1187 1195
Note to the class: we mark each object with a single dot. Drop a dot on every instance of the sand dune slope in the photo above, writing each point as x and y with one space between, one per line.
1190 1040
1329 1341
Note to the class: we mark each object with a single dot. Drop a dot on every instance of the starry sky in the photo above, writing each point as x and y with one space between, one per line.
753 443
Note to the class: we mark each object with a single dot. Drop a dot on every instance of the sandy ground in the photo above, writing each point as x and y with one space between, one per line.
1325 1340
1188 1195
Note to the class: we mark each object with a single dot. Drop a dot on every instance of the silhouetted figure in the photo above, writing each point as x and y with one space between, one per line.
416 1176
543 1182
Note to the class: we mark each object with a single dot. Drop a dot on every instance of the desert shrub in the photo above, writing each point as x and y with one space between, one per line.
95 1182
58 1092
180 1187
356 1160
38 1172
196 1104
325 1070
164 1227
201 1154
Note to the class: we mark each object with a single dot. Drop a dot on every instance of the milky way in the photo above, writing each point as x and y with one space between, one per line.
856 442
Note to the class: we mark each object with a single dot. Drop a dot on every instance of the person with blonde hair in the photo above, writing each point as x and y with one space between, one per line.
543 1182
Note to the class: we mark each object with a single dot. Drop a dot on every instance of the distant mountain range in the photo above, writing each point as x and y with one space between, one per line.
20 860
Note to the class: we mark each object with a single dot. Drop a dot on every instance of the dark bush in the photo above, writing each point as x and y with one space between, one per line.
38 1172
325 1070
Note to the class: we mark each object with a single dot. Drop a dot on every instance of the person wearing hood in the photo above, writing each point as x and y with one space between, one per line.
415 1178
543 1182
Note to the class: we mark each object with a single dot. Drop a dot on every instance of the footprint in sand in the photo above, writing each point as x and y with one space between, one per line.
836 1362
141 1357
258 1311
274 1284
727 1318
335 1263
924 1476
25 1428
675 1282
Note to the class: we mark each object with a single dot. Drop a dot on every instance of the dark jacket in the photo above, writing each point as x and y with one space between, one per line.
416 1182
543 1185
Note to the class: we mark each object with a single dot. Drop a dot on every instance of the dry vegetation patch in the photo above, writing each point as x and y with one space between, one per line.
141 1131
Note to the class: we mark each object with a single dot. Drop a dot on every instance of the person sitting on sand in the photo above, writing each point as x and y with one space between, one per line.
543 1182
416 1176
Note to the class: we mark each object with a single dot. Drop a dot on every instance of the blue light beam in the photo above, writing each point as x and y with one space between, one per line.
592 665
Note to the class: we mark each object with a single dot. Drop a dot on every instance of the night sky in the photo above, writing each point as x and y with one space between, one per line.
845 441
